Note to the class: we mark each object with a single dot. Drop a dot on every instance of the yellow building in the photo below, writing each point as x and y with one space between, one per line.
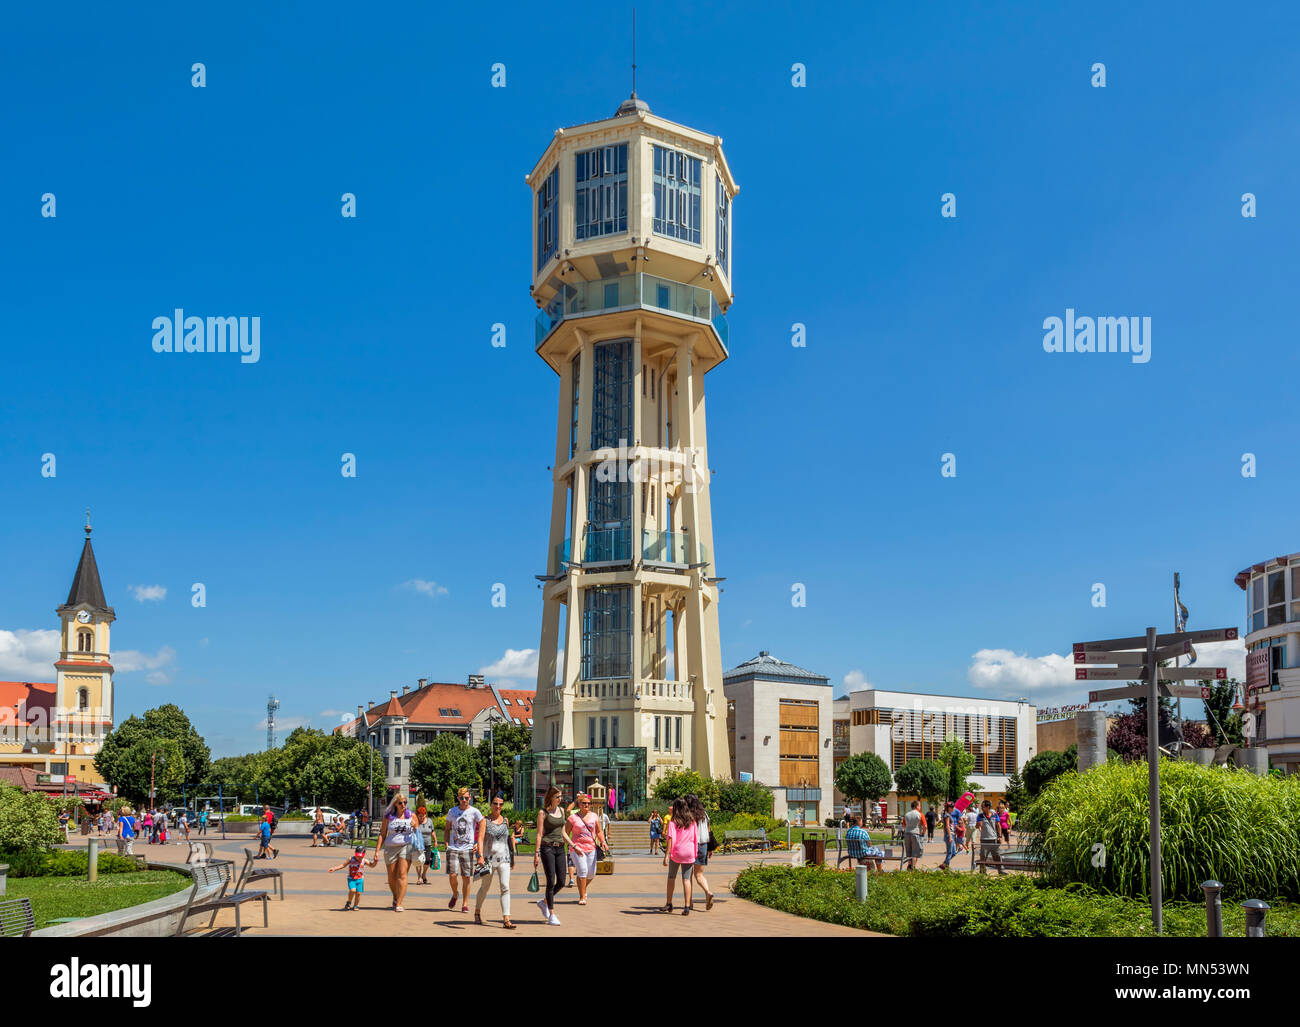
57 727
632 271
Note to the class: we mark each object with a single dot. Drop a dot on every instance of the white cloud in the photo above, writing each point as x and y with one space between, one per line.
428 588
162 665
1011 672
146 593
855 681
517 668
1231 655
28 655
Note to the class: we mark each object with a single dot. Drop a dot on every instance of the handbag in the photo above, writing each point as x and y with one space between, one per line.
434 862
532 883
712 842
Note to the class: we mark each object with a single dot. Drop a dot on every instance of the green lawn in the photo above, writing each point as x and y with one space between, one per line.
56 897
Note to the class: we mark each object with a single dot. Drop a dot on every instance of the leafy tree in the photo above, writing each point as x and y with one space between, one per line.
444 765
926 779
1224 724
28 823
676 783
119 756
1044 766
1196 736
338 774
736 797
1016 795
863 777
960 762
508 741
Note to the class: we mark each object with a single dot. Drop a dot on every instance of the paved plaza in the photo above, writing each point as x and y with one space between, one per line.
623 904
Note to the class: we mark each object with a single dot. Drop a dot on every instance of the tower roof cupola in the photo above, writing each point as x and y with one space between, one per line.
86 587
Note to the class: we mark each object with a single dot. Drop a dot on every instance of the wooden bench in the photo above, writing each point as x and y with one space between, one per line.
219 871
252 873
1014 860
730 839
16 918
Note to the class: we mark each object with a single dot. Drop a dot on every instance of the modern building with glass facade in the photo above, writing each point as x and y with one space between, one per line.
598 772
1273 657
631 263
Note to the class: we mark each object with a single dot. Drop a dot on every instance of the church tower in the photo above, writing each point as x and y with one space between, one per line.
632 271
84 710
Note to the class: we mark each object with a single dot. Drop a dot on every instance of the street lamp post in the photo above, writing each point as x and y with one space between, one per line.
494 718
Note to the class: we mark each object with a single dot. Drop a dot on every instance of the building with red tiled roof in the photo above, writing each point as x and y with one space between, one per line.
401 725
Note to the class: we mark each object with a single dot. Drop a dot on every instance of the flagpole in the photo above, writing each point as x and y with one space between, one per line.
1177 618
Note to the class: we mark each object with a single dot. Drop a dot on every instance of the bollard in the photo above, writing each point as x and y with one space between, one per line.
4 876
860 882
1256 910
1213 909
92 860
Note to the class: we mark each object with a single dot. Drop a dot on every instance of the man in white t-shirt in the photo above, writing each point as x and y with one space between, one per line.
914 824
465 827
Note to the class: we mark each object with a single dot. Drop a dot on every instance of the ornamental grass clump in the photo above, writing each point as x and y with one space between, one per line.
1216 822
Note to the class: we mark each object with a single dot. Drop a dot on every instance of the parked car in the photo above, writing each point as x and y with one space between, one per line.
329 811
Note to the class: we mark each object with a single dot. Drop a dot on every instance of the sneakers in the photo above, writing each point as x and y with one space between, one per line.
554 921
541 904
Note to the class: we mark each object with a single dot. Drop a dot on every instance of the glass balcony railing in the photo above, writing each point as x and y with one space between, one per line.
608 545
613 545
672 548
628 292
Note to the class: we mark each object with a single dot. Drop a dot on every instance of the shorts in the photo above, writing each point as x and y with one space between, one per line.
914 847
392 853
317 828
702 855
359 885
584 863
460 862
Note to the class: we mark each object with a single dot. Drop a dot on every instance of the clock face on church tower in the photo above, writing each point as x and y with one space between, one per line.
83 617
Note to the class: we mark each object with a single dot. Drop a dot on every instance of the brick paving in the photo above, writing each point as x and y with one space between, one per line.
624 904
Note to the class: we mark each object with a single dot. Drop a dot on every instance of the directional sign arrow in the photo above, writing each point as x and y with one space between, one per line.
1126 659
1169 652
1182 691
1193 673
1107 694
1140 642
1108 673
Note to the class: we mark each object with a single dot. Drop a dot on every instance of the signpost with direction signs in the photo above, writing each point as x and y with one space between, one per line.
1138 659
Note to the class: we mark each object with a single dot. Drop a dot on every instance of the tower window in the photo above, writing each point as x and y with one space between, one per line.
677 194
548 218
600 192
85 642
607 632
83 699
611 394
723 240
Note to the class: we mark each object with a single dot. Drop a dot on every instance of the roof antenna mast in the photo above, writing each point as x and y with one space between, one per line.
633 53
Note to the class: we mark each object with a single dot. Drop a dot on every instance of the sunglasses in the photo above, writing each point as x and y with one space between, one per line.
497 802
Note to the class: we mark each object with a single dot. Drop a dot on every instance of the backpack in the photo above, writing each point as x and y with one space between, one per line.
275 821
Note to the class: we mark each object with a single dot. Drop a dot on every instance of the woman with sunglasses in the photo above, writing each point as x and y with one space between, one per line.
398 835
552 836
585 832
499 857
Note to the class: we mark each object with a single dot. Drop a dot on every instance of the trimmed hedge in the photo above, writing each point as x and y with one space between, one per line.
64 864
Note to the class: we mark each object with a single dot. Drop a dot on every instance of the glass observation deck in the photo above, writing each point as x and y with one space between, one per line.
631 292
613 547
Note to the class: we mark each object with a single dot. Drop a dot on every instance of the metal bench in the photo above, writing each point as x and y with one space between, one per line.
730 839
252 873
200 852
16 918
219 871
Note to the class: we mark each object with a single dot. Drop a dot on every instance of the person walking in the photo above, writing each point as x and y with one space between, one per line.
499 858
160 824
264 832
203 821
989 828
397 840
126 832
147 823
585 835
656 829
424 826
552 836
930 819
972 818
602 850
464 847
356 867
680 855
318 828
184 826
949 836
702 838
913 826
1004 819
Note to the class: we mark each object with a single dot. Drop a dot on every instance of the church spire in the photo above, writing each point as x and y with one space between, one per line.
86 587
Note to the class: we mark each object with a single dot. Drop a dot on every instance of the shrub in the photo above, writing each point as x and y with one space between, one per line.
63 863
1216 822
28 822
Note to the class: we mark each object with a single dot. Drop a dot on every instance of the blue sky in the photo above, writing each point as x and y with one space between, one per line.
924 333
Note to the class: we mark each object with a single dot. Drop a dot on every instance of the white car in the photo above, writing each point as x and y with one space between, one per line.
329 811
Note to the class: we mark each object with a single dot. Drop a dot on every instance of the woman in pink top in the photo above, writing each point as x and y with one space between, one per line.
680 853
584 829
